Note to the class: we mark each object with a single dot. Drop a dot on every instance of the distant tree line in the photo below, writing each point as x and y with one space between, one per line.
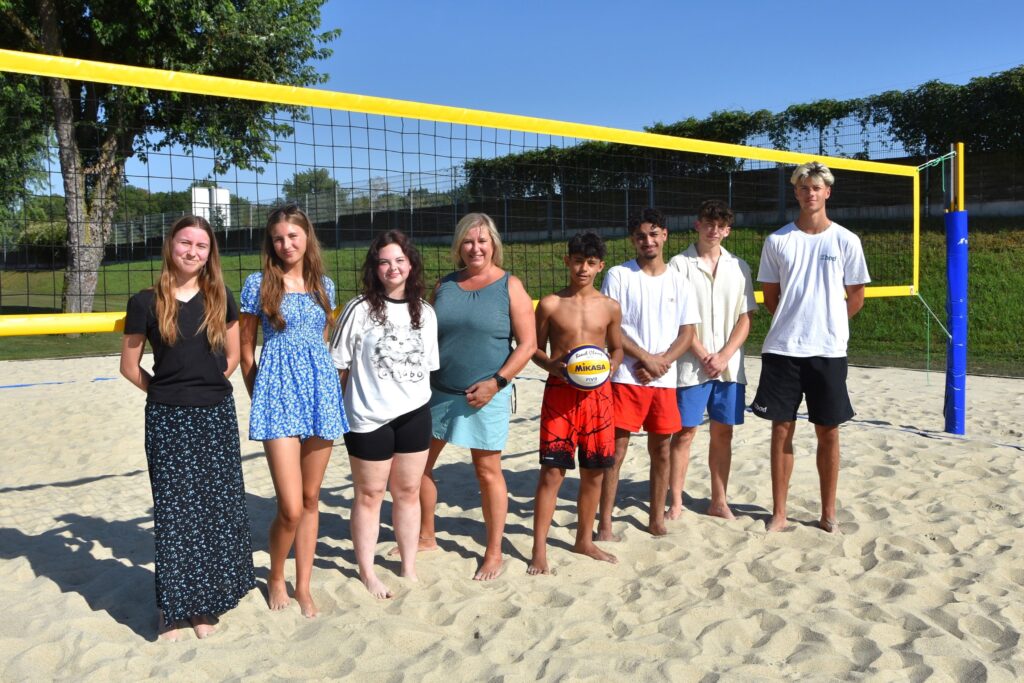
987 114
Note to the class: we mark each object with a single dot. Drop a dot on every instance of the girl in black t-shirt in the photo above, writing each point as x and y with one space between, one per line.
201 527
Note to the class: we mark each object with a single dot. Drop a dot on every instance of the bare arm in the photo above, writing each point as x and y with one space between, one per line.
343 376
543 322
132 346
854 299
231 348
679 345
524 331
248 325
715 363
772 291
613 337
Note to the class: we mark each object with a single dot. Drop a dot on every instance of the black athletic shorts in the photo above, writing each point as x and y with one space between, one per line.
786 380
409 433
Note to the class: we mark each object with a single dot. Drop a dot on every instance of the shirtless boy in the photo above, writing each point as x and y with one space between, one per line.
573 421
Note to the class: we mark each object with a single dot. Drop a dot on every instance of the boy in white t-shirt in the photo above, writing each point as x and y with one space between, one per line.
813 273
658 317
710 375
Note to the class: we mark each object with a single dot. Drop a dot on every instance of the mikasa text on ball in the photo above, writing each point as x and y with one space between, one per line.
587 367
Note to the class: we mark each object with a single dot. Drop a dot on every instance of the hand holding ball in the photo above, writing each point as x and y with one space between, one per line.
587 367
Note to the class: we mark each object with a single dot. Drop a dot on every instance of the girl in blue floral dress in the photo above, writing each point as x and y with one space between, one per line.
297 409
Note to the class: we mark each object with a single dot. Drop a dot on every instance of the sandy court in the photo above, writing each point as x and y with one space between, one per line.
925 583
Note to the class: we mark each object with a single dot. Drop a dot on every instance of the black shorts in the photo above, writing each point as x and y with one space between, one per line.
786 380
409 433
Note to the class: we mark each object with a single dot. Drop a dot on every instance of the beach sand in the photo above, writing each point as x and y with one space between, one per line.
925 583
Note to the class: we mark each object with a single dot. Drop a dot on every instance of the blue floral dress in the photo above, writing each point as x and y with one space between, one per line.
297 391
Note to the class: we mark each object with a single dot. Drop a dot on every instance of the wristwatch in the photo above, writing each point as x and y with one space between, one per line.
502 382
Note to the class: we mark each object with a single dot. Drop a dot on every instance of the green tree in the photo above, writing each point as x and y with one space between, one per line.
99 126
313 181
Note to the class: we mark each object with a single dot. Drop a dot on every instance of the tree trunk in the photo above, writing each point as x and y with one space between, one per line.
89 206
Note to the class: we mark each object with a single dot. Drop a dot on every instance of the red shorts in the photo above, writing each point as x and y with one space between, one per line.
572 420
653 408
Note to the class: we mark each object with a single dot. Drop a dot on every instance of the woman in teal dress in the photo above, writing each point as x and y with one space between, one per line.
480 310
296 396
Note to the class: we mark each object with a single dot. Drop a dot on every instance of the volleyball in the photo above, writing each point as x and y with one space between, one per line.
587 367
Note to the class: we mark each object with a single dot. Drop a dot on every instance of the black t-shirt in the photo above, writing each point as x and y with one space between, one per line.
188 373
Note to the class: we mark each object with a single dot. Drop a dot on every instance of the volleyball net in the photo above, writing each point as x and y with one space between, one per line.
360 165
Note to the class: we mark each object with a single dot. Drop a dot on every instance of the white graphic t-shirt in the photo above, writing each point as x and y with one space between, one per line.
389 365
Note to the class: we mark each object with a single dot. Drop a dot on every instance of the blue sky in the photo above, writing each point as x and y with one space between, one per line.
630 64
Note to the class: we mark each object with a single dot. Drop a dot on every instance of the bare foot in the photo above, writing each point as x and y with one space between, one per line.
830 526
592 551
277 594
168 632
674 512
657 528
425 546
204 625
490 568
606 536
722 511
539 565
376 587
410 575
776 523
306 604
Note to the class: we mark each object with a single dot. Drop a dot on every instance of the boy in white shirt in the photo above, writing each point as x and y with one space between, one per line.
813 273
658 318
710 375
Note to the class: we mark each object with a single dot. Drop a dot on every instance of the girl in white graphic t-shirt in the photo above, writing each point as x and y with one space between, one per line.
384 347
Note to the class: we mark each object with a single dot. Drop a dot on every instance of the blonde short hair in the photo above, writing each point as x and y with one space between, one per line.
812 169
467 223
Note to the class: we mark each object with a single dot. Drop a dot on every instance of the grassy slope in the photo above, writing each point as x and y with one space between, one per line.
887 332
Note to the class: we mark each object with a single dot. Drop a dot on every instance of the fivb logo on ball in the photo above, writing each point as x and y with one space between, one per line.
587 367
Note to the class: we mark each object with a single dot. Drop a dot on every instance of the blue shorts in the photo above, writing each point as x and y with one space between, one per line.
724 402
456 422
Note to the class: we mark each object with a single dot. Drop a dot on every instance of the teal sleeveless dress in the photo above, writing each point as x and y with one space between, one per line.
474 336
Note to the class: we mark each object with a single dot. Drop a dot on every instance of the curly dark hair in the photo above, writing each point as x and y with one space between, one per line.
373 288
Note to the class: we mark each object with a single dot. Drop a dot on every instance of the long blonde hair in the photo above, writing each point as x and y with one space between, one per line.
272 289
211 284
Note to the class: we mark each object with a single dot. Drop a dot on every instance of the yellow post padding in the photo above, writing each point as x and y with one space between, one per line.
60 323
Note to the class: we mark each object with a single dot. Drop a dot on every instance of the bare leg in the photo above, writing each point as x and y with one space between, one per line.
371 479
428 497
544 502
586 507
719 462
494 501
316 453
283 457
782 470
679 462
828 475
406 476
204 625
658 448
610 487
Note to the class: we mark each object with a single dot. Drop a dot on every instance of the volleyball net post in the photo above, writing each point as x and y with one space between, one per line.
955 401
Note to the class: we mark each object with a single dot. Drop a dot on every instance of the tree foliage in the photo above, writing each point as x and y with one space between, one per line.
315 181
987 113
99 126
